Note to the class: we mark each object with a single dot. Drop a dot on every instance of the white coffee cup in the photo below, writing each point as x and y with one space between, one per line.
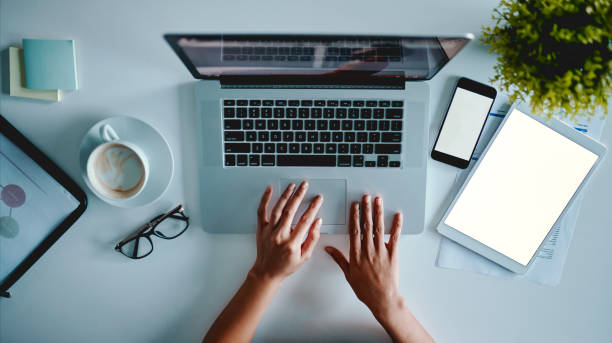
117 169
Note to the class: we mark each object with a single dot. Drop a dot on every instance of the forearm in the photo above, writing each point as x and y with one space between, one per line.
239 319
400 324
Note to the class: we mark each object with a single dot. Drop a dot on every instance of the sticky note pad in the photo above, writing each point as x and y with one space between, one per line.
50 64
17 84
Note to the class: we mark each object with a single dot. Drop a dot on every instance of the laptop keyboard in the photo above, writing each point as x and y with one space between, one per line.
312 133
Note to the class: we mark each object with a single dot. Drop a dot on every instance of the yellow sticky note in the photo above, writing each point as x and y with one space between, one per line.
17 80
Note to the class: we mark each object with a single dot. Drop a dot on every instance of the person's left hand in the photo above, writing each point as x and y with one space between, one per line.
280 250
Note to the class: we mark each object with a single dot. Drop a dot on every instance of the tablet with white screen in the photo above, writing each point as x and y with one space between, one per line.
527 176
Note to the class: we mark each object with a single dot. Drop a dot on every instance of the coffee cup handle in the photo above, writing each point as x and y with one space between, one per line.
107 133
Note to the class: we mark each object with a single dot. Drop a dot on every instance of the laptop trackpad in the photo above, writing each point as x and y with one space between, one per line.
333 210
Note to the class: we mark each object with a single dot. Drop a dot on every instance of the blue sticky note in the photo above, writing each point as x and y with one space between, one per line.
49 64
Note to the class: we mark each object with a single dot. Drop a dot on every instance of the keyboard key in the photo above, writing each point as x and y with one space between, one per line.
233 136
353 113
294 103
281 148
300 136
340 113
345 103
230 124
260 125
263 136
230 160
344 160
306 148
268 103
384 103
257 147
371 103
310 124
372 125
319 148
229 102
396 125
241 112
391 137
247 124
384 125
394 164
237 147
229 112
254 160
251 136
343 148
298 124
313 136
330 148
349 137
275 136
370 164
397 104
285 124
315 112
362 137
337 136
242 103
382 160
394 113
334 125
294 148
279 113
269 148
291 112
325 136
332 103
328 113
321 125
267 160
347 125
288 136
359 125
304 112
273 124
306 160
307 103
379 113
254 103
366 113
368 148
242 160
266 112
358 161
319 103
358 103
355 148
280 103
374 137
388 148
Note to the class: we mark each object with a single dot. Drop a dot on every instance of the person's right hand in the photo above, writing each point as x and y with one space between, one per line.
372 268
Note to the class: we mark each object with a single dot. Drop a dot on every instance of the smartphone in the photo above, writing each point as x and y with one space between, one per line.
465 117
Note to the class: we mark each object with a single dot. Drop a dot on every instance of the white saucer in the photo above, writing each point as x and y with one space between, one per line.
154 145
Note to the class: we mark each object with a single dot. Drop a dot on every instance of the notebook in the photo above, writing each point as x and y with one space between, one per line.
50 64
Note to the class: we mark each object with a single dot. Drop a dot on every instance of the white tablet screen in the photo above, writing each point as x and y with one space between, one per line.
520 188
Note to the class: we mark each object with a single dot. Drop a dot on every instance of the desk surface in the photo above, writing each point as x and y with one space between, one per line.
82 290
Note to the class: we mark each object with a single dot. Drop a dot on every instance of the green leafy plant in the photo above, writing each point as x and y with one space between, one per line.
556 53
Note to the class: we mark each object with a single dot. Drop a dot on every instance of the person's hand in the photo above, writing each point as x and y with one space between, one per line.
372 268
280 250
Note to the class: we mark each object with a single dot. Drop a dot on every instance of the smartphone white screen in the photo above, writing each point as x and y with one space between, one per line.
464 120
524 181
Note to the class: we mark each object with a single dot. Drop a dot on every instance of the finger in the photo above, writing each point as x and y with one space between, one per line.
277 211
312 239
288 213
339 258
379 218
355 232
262 210
307 218
379 230
368 244
396 231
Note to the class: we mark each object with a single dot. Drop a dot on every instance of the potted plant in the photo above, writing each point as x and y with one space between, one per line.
554 54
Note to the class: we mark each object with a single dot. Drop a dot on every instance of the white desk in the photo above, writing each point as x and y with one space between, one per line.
82 290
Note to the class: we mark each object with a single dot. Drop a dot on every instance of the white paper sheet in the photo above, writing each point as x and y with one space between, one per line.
550 259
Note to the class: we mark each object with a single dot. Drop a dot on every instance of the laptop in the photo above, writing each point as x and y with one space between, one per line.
349 114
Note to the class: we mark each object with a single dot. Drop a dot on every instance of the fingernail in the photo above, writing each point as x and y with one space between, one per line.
319 197
328 249
378 200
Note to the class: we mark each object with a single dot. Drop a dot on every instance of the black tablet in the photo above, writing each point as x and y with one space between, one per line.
38 203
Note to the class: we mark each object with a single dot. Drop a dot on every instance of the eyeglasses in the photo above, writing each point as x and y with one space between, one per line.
166 226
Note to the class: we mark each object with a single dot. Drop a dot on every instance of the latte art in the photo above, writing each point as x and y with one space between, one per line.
119 171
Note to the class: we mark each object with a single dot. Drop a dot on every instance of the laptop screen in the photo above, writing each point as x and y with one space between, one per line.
409 58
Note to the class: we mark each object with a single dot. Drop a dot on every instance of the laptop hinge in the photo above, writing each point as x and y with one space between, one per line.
291 81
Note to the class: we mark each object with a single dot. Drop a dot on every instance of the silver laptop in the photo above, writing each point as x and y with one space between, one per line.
347 113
